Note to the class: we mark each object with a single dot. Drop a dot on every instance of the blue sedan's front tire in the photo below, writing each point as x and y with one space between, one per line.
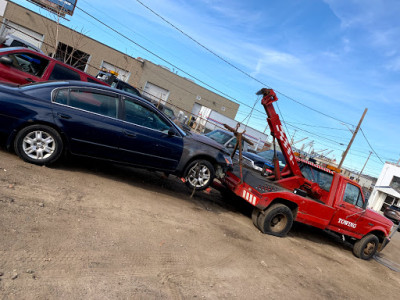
38 144
199 174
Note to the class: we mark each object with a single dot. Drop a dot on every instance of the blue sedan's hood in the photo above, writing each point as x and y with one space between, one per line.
206 140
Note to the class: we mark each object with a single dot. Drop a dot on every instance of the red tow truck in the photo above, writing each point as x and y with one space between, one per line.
307 193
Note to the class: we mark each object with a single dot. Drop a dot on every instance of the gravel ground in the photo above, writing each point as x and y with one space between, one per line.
84 229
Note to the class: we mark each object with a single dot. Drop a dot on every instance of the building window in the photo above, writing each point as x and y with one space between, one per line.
395 184
72 56
389 200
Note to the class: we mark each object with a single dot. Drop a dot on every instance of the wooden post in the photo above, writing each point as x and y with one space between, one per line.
352 139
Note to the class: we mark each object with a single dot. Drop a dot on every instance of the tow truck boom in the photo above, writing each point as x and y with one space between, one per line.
290 177
277 132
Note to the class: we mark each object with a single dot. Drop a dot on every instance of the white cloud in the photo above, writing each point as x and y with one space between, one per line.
394 65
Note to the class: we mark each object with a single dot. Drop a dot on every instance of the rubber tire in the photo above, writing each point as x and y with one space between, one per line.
361 246
276 212
57 140
203 163
254 216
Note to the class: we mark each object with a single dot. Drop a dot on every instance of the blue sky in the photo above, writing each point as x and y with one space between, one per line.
336 56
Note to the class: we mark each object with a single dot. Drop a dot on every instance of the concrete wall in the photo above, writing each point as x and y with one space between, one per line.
184 92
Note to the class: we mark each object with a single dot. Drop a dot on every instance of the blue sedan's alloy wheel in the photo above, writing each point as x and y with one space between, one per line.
199 174
38 144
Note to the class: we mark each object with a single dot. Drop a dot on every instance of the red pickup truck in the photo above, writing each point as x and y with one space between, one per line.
22 65
310 194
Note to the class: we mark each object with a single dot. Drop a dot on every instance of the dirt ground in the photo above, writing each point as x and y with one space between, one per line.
88 230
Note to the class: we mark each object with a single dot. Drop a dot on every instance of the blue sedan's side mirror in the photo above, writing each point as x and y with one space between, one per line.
171 132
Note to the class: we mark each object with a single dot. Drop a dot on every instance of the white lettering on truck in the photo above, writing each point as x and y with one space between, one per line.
347 223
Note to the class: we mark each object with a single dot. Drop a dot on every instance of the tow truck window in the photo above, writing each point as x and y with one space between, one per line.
353 195
321 177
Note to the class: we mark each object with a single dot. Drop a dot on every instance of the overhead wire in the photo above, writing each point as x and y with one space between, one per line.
188 74
161 58
251 112
232 65
373 150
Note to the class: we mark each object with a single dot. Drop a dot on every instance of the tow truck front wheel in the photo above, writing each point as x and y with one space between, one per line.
366 247
276 220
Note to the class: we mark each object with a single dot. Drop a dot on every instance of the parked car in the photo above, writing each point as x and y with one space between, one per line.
22 65
392 212
11 40
264 160
166 110
226 139
111 79
40 121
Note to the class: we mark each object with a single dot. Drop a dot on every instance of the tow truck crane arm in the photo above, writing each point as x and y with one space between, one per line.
291 176
269 96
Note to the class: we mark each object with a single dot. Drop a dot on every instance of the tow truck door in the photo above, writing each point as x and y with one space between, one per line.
350 214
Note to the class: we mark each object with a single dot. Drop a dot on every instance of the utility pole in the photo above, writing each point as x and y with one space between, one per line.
359 174
352 139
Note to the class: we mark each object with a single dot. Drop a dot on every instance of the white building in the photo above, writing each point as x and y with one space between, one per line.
387 189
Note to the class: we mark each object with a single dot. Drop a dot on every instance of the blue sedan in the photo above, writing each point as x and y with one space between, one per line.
42 121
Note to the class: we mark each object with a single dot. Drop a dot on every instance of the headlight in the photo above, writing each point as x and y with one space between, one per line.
228 160
257 168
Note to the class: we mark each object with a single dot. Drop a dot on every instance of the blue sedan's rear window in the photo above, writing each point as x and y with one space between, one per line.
89 100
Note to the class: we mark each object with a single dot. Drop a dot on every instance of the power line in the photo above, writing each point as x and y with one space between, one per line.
233 66
371 146
159 57
325 127
322 137
201 81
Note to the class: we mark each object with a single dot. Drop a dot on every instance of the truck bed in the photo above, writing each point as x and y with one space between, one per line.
260 184
254 179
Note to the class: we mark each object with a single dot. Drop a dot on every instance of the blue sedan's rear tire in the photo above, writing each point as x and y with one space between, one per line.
199 174
38 144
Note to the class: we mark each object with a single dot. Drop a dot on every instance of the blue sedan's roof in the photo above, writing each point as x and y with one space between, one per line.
73 83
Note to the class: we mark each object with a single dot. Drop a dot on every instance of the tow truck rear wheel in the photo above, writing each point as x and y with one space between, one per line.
254 216
276 220
366 247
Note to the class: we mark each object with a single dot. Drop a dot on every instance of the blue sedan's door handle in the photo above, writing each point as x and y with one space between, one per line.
63 116
130 133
